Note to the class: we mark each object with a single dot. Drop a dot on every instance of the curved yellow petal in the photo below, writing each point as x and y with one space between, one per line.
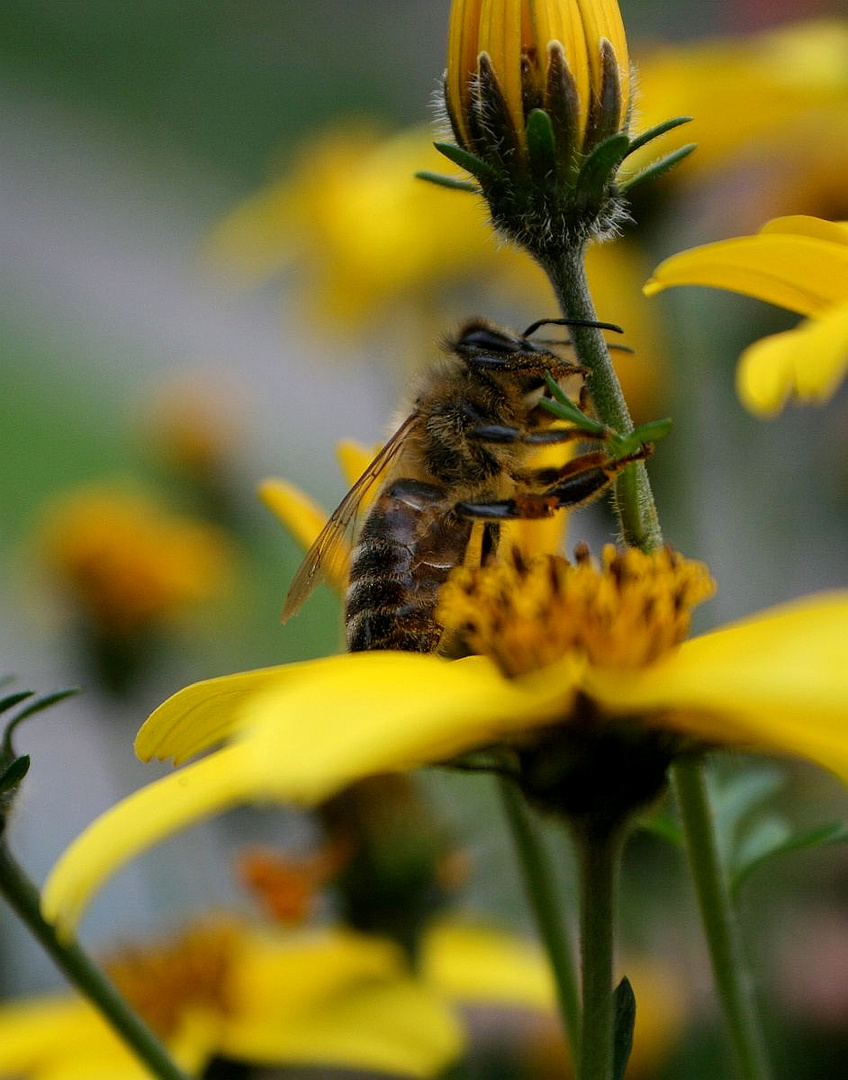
295 511
807 364
500 37
834 232
777 682
803 273
202 715
33 1031
354 459
363 714
210 786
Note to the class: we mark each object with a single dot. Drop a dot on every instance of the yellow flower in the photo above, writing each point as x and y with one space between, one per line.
365 233
800 263
774 102
568 57
125 562
298 733
260 997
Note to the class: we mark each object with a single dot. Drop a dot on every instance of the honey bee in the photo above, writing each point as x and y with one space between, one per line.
461 455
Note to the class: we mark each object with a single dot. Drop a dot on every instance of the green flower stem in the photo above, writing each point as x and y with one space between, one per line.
547 907
23 897
734 988
599 849
640 528
634 501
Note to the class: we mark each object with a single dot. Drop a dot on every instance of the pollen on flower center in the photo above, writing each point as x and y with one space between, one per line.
166 981
624 613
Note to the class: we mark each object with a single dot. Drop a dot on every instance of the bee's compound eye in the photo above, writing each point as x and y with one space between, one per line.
490 341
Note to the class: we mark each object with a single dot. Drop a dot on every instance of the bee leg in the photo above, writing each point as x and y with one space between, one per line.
505 433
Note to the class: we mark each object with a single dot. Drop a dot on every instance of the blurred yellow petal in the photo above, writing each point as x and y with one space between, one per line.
777 682
398 1026
807 364
354 459
800 272
304 519
480 964
202 715
834 232
208 787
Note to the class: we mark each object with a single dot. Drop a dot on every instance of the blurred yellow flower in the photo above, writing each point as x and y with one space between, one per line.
299 733
124 562
260 997
775 102
547 54
800 263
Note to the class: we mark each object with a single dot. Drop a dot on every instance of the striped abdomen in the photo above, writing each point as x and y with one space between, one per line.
409 543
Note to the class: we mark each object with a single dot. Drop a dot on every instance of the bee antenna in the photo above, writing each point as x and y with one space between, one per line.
533 327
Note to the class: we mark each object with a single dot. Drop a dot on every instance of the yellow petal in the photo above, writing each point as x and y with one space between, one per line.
463 38
500 37
33 1031
803 273
304 519
354 459
363 714
777 682
480 964
208 787
835 232
398 1027
807 364
202 715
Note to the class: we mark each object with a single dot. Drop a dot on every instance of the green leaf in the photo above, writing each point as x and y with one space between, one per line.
36 706
821 836
651 432
659 168
596 170
14 774
541 144
12 700
738 796
655 132
476 166
563 408
454 182
624 1021
663 825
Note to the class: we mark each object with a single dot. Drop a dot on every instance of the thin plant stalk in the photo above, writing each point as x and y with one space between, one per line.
23 897
717 914
547 907
637 515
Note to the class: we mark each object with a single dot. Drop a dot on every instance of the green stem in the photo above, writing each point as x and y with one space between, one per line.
599 849
734 988
634 501
547 907
24 899
640 528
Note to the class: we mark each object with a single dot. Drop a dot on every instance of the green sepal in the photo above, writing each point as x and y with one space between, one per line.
659 168
664 826
651 432
563 408
14 773
624 1022
599 166
767 841
476 166
655 132
456 183
541 144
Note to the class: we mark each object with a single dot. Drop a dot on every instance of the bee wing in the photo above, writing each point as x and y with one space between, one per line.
330 542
